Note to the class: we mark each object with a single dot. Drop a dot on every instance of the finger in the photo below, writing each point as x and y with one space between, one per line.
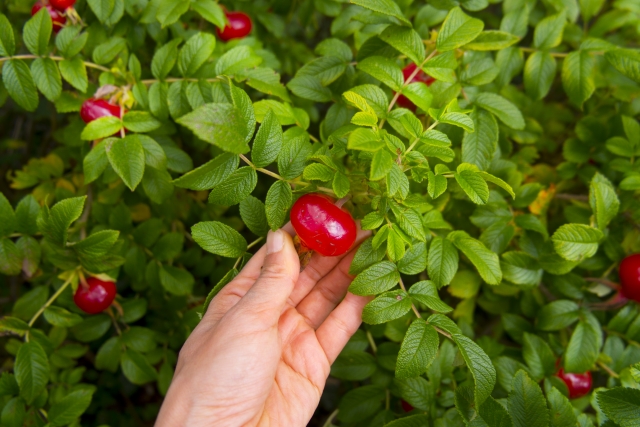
231 293
280 271
341 324
319 267
327 293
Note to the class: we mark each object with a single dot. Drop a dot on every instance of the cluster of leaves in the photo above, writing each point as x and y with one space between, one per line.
499 207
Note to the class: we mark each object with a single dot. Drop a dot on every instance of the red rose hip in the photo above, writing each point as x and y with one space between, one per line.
630 277
403 101
322 226
578 384
406 407
93 109
62 5
239 26
96 297
56 18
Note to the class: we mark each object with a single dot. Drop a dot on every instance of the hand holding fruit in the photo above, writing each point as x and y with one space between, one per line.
263 350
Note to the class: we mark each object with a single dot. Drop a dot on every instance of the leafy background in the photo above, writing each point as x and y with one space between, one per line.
501 206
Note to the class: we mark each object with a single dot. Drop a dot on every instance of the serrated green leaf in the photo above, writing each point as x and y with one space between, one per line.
126 156
278 201
253 214
457 30
443 261
418 350
577 76
482 370
386 307
219 124
375 279
47 78
527 406
603 200
503 109
18 81
539 74
485 261
383 69
575 242
219 239
620 404
31 370
37 32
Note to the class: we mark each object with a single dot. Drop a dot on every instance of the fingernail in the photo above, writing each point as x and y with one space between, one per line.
275 241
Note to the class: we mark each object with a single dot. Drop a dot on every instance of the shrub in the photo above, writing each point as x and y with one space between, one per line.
498 175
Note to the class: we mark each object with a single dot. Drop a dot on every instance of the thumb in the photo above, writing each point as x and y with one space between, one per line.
278 277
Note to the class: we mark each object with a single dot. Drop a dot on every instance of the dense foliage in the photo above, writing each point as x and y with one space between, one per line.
498 174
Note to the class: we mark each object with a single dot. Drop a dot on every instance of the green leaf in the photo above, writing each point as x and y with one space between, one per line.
295 150
521 269
406 41
164 59
361 403
13 325
603 200
557 315
140 121
219 239
95 162
47 78
500 183
70 41
414 260
237 60
418 350
231 274
485 261
108 356
17 78
386 307
385 7
136 368
176 280
479 147
209 175
620 404
426 292
560 409
278 201
31 370
626 61
268 141
353 365
7 217
219 124
458 119
211 11
381 164
69 408
108 51
364 139
437 185
539 74
309 87
108 12
527 406
195 52
539 357
418 93
54 223
318 172
13 413
37 32
583 349
267 81
503 109
235 188
443 261
74 71
473 184
253 214
410 421
102 128
60 317
577 76
126 156
366 256
7 40
492 40
170 11
548 33
375 279
484 374
457 30
383 69
575 242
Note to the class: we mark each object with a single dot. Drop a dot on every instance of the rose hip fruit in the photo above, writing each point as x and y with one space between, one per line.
403 101
406 407
93 109
578 384
630 277
57 19
62 5
322 226
96 297
239 26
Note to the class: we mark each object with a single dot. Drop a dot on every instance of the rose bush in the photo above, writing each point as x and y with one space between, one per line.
490 146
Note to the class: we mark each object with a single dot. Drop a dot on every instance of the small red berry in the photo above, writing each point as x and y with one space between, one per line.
403 101
93 109
62 5
406 407
96 297
239 26
578 384
57 19
630 277
322 226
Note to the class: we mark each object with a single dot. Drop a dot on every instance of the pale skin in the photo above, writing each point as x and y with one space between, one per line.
263 350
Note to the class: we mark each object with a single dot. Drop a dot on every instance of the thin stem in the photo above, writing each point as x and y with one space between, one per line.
264 171
417 313
610 371
605 282
255 242
237 263
55 58
333 415
52 299
414 143
372 343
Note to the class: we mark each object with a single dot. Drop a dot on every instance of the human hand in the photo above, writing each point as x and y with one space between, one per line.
263 350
